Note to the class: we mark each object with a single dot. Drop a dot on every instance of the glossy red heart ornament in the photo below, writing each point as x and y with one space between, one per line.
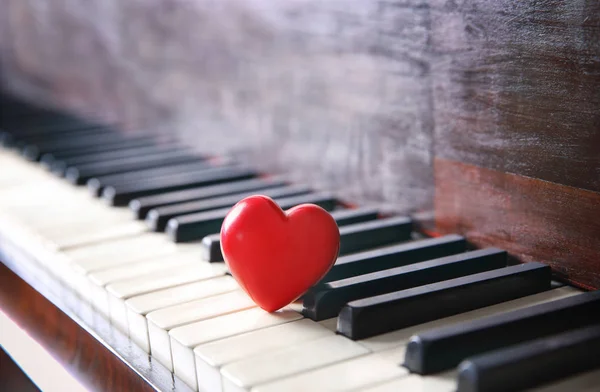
275 255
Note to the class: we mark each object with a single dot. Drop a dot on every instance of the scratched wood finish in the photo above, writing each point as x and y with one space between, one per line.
517 87
533 220
82 354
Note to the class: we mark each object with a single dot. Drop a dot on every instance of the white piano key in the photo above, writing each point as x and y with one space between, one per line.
160 322
299 358
212 356
95 257
401 337
100 279
119 292
138 307
442 382
350 375
96 234
185 338
584 382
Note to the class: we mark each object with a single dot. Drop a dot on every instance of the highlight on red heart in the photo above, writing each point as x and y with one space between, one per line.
276 255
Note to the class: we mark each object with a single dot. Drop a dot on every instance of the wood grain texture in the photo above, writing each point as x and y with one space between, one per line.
533 220
81 353
517 87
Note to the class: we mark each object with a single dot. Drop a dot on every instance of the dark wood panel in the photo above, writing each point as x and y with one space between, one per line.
81 353
517 87
12 377
533 220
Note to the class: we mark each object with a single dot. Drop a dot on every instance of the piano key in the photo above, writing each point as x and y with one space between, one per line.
196 226
211 244
401 337
326 300
376 315
161 321
532 363
96 185
95 148
350 375
139 307
395 256
185 338
586 382
92 143
442 382
82 173
442 348
58 166
157 218
142 205
211 357
122 195
120 291
98 280
379 232
263 368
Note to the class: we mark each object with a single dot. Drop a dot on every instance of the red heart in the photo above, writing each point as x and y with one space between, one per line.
275 255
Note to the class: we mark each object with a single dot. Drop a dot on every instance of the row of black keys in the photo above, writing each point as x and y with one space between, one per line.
404 283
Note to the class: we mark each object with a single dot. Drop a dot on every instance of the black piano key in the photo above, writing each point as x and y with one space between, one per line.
379 232
444 348
96 185
93 148
532 364
142 205
82 173
157 218
122 195
59 166
325 300
395 256
211 244
196 226
388 312
34 151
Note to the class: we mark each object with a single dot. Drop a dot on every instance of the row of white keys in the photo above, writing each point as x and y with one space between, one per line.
98 280
185 338
161 321
119 292
138 307
368 368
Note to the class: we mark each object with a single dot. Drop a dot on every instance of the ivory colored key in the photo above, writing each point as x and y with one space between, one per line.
185 338
161 321
139 307
442 382
302 357
120 291
100 279
354 374
212 356
402 336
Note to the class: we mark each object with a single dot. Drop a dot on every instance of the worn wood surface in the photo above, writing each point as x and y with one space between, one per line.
358 97
533 220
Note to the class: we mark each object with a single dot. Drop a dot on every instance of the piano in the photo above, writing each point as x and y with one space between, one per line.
456 144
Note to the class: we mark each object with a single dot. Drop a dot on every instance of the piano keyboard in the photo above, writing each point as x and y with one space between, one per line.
128 226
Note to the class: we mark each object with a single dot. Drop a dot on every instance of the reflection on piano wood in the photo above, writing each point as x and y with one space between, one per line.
129 290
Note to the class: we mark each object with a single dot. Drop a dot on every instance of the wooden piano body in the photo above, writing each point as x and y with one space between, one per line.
476 118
